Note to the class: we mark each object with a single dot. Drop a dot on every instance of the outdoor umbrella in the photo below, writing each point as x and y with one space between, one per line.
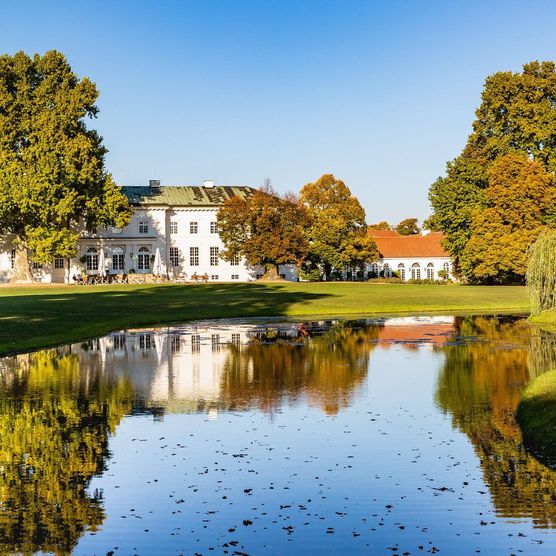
157 265
101 263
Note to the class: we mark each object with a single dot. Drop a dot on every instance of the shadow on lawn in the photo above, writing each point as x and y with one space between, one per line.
48 318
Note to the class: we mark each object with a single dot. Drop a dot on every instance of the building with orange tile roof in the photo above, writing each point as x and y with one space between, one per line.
420 256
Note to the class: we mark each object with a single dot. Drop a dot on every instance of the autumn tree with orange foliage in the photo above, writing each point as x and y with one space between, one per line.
265 228
520 200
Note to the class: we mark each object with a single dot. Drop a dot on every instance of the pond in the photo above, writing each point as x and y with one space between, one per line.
388 436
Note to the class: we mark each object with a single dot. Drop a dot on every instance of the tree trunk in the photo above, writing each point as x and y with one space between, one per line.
21 273
271 273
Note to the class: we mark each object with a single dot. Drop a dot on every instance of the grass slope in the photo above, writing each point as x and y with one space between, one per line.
546 317
536 416
39 316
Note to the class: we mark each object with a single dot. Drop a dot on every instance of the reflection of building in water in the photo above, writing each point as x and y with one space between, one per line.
212 366
194 367
420 331
169 364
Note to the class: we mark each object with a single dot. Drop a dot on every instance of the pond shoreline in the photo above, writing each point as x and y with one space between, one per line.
270 319
33 318
536 416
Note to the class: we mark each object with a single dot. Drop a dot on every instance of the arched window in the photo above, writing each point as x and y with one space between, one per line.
92 259
144 259
401 271
117 258
386 270
447 269
415 271
430 271
374 268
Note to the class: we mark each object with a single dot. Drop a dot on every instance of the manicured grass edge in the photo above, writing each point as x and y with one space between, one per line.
99 330
180 304
546 317
536 416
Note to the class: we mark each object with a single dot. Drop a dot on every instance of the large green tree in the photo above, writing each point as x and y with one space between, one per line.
52 177
517 114
338 236
382 225
265 228
408 227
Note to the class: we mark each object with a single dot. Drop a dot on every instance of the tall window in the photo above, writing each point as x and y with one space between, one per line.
175 344
401 271
144 259
174 256
430 271
59 262
12 258
118 259
195 343
214 227
214 256
119 341
194 256
146 341
415 271
386 271
143 227
193 227
37 266
234 261
92 259
173 227
447 269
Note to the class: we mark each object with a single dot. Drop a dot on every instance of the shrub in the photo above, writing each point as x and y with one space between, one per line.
392 280
428 281
310 274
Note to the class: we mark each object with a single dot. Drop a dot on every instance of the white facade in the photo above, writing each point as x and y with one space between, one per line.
416 268
185 237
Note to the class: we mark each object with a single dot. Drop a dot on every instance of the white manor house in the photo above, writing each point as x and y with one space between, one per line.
173 232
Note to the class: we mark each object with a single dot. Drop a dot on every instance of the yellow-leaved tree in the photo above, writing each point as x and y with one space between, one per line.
519 203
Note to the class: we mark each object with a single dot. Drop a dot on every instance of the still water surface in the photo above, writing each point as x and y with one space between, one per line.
388 436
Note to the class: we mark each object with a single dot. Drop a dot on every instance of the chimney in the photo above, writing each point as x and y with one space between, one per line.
154 184
208 184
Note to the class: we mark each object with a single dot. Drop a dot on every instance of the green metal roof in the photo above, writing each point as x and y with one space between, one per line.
185 195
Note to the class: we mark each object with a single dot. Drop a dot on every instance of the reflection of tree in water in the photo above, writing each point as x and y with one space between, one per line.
54 427
481 385
326 368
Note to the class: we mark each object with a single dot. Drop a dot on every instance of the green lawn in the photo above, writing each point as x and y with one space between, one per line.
40 316
536 416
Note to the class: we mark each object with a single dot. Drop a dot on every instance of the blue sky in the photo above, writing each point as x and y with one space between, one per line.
380 93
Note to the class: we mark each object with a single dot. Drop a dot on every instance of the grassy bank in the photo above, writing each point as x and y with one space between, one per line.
545 318
38 316
536 416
